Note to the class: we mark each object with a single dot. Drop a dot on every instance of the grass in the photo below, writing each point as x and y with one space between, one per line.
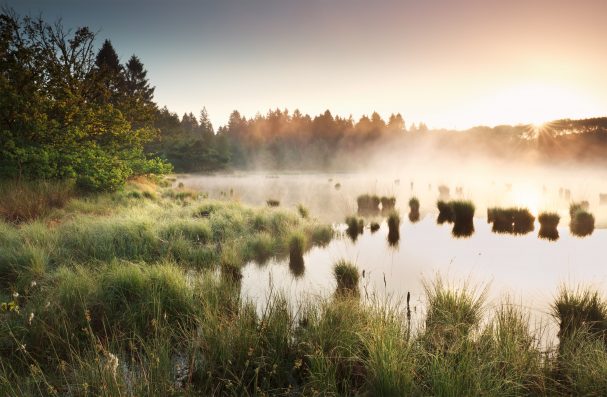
387 203
23 201
346 275
549 222
511 220
445 212
272 203
393 222
452 313
581 310
124 295
582 221
368 205
297 246
414 209
462 215
178 334
374 226
354 227
393 228
303 211
414 204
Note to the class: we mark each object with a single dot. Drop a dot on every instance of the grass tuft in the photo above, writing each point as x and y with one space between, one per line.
582 221
346 275
549 222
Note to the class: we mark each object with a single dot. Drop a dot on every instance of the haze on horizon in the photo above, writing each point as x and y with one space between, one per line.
448 64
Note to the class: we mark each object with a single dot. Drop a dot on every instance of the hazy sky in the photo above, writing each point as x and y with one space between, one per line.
449 63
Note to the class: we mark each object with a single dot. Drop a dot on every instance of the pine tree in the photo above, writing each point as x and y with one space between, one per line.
138 102
206 127
108 75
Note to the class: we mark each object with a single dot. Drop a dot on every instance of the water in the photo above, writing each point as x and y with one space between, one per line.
523 268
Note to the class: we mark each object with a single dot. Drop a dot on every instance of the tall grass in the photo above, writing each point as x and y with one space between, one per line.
23 201
414 209
297 246
463 218
139 318
346 275
582 221
387 203
445 212
549 222
511 220
354 227
368 204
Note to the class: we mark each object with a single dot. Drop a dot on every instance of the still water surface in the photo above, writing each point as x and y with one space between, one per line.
524 268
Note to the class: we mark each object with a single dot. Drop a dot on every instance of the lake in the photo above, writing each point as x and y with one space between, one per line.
524 268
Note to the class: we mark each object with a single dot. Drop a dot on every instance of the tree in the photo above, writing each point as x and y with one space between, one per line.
206 127
49 127
138 104
396 124
108 75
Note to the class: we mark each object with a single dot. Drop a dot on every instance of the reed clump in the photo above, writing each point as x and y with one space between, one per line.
393 228
549 222
272 203
582 221
511 220
354 227
387 203
414 209
368 204
445 212
346 275
458 212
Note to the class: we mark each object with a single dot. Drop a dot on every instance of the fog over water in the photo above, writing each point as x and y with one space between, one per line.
524 268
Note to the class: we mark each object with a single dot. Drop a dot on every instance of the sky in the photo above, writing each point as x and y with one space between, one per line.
448 63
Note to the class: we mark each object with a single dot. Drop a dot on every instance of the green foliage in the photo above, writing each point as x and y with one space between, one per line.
62 112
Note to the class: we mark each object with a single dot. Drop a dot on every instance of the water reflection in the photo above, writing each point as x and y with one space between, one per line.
462 229
393 238
297 266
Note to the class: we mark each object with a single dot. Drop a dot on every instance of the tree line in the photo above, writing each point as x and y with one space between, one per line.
69 110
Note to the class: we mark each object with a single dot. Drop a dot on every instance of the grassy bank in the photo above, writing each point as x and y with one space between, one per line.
138 293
